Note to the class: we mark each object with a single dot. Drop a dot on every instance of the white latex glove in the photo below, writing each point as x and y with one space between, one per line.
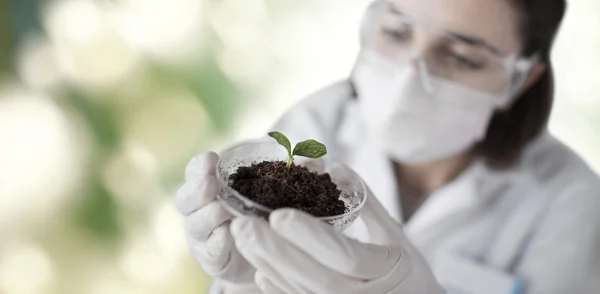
207 226
296 253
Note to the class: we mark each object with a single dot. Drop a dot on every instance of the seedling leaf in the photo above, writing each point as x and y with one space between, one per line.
283 141
310 149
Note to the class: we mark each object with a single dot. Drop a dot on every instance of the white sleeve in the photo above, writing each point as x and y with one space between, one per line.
558 259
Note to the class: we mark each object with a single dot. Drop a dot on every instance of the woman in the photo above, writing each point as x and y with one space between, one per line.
444 117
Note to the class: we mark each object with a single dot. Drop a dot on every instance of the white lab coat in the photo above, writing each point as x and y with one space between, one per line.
531 229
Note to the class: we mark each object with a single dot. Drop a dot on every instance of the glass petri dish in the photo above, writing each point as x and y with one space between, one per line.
354 194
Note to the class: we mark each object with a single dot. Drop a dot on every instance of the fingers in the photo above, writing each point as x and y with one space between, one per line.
196 193
206 223
201 185
219 257
265 285
285 265
202 164
276 279
219 243
201 223
331 248
214 252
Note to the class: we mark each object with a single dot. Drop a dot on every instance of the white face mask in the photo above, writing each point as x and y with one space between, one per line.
412 125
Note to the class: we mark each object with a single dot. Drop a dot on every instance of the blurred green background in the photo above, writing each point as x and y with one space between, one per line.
102 103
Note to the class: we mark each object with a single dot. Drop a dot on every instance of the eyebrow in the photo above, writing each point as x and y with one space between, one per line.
469 40
473 41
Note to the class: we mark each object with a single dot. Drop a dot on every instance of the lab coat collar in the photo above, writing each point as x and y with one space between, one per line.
458 196
458 202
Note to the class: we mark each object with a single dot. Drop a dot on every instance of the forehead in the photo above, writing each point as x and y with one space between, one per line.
494 21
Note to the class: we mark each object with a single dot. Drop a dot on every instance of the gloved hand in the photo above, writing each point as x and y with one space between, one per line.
207 225
296 253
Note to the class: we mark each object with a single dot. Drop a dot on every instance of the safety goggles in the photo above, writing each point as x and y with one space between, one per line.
447 57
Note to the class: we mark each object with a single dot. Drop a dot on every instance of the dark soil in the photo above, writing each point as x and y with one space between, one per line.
272 185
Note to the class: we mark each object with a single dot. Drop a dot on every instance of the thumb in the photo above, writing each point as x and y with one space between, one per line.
382 228
331 248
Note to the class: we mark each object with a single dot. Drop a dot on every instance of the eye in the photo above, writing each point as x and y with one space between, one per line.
400 35
466 63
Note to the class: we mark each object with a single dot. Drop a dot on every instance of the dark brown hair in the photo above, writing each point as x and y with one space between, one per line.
512 129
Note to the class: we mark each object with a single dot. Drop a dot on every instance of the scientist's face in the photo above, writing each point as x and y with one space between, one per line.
432 73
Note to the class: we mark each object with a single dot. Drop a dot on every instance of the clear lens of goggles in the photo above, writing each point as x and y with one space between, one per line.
392 36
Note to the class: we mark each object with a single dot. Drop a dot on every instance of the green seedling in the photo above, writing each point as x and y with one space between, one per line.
308 148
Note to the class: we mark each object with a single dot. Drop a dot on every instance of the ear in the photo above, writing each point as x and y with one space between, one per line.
535 74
